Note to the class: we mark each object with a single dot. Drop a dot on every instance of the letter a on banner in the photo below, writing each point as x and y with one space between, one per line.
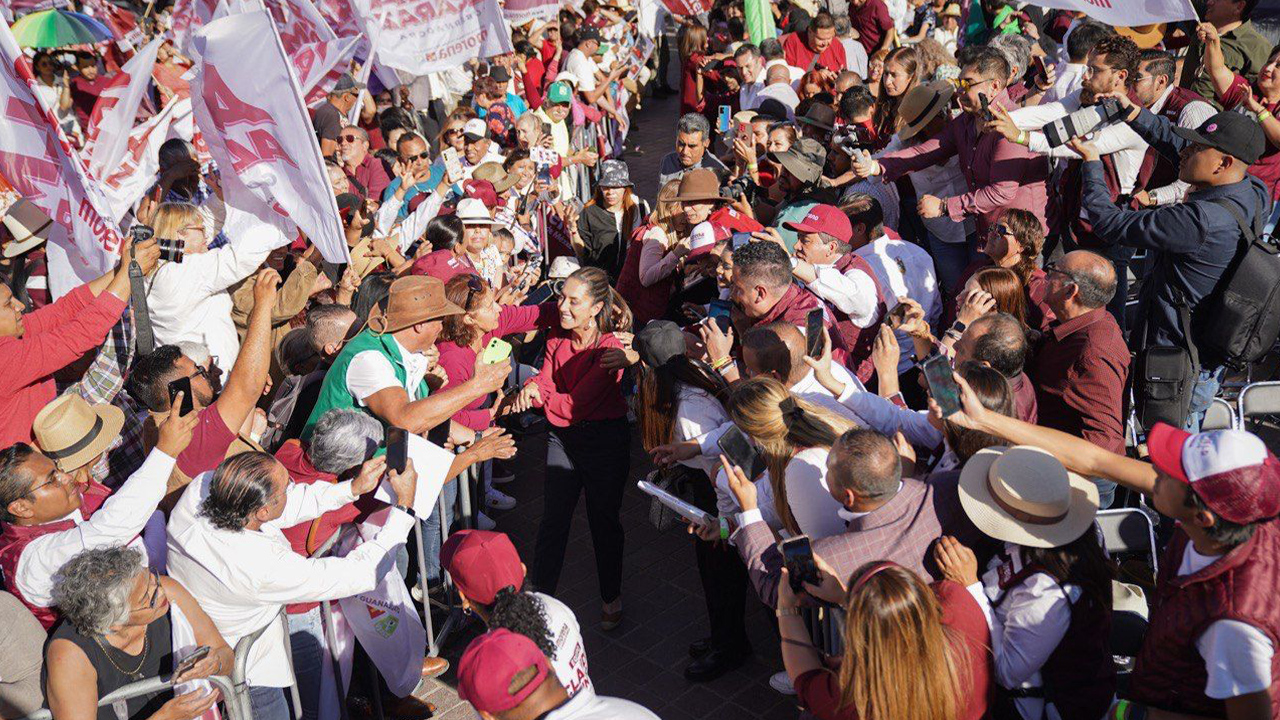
36 157
249 107
1127 13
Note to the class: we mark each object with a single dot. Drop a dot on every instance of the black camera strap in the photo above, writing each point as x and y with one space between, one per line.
145 339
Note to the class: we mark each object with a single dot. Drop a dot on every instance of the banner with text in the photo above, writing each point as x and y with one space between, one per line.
423 36
1126 13
249 107
36 157
134 171
519 12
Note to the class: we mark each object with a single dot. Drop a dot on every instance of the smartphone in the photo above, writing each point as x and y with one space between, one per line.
718 310
797 557
453 164
398 448
986 107
722 123
544 174
190 661
739 239
1038 68
813 323
739 450
182 385
942 386
495 352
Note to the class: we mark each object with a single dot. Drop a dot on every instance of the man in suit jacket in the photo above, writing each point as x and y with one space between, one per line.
889 517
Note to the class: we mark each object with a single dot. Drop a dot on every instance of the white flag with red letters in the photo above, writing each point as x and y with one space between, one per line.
113 114
1126 13
249 107
37 159
133 173
423 36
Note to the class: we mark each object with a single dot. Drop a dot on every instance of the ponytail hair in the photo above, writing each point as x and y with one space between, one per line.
615 314
522 613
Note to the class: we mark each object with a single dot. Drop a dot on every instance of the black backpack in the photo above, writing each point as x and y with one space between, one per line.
1241 321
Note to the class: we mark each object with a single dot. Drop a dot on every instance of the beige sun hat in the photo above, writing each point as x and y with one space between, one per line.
1025 496
71 432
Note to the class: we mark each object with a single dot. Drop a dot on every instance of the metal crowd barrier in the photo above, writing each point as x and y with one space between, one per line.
235 705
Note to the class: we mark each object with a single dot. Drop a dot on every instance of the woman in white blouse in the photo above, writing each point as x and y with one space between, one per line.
794 437
680 400
1047 596
188 298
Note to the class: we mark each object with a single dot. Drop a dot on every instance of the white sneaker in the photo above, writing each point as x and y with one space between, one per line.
495 499
782 683
484 522
416 592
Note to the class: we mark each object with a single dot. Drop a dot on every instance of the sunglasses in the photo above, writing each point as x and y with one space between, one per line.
965 84
155 594
348 138
1000 231
474 286
425 155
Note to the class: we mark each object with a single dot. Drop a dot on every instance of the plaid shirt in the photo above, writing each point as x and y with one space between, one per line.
102 383
902 530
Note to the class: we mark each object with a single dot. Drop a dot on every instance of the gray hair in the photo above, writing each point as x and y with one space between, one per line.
1016 49
239 487
771 48
344 439
694 123
747 49
844 26
92 589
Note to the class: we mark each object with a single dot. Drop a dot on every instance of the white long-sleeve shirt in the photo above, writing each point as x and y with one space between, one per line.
189 301
1118 140
118 522
853 292
886 418
243 579
413 226
1193 115
1026 628
697 416
904 268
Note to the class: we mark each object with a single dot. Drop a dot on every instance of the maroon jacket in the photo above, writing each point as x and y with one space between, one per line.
1079 677
1241 585
647 303
793 307
857 341
15 538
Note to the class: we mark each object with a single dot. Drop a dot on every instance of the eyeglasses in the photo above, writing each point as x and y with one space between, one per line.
1139 78
1053 269
348 138
1000 231
474 285
966 84
57 477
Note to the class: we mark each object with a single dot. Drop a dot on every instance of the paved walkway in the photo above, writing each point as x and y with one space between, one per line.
644 658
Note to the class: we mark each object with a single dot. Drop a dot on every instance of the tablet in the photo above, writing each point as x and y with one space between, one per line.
680 507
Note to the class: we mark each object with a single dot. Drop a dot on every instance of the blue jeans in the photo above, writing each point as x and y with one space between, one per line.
1202 395
431 541
306 638
950 260
269 703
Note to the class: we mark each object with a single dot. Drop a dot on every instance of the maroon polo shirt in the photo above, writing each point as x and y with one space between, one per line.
871 22
1024 398
371 175
1079 372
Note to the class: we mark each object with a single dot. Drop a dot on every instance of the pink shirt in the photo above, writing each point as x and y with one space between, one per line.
443 264
574 387
1000 174
459 361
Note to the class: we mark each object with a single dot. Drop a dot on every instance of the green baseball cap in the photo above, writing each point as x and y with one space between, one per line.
559 93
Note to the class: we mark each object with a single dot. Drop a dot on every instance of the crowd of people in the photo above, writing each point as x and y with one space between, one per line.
925 286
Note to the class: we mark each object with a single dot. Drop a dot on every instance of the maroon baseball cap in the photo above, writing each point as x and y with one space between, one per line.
826 219
481 190
499 670
481 563
1231 471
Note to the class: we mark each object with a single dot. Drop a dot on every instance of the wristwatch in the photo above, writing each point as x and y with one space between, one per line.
408 510
787 612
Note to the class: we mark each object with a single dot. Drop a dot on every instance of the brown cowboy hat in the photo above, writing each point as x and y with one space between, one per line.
71 432
699 185
414 299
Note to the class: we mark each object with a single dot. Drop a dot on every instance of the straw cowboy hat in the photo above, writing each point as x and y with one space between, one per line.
414 299
71 432
1023 495
493 172
1144 36
921 105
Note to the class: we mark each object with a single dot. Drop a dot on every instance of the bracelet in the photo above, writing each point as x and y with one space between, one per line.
1265 114
787 612
722 363
753 166
1024 138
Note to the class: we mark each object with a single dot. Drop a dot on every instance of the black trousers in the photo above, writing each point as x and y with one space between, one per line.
724 580
591 458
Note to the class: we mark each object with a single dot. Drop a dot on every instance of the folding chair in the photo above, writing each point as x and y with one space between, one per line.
1219 416
1129 532
1260 398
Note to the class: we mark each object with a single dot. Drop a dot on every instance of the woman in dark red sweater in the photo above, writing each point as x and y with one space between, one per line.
589 446
911 651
